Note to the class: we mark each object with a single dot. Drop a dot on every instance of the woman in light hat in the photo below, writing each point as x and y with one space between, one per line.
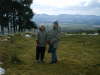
41 44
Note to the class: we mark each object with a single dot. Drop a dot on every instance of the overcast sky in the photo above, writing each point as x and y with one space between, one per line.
56 7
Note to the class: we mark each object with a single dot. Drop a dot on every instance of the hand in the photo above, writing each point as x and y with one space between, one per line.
37 42
48 41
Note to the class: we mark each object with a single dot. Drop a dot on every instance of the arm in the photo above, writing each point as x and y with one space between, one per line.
56 36
37 38
48 37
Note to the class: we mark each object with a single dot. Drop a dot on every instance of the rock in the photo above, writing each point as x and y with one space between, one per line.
1 62
28 36
2 71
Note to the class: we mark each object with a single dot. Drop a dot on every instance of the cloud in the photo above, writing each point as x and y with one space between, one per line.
57 3
91 7
92 3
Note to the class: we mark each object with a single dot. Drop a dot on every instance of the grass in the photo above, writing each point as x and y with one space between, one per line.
78 55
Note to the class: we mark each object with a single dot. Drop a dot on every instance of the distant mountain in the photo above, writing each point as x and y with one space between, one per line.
66 18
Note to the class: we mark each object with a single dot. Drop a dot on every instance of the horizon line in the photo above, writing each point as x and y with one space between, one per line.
65 14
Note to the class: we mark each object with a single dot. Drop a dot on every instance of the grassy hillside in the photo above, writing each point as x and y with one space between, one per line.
78 55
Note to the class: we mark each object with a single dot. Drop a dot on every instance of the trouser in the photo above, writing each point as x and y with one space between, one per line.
53 54
40 53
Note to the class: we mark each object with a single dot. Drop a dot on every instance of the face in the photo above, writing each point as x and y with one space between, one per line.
55 26
42 28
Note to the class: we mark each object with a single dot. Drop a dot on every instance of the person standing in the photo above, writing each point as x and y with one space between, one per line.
53 40
41 44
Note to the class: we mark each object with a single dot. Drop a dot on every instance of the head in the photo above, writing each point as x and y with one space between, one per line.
55 24
42 28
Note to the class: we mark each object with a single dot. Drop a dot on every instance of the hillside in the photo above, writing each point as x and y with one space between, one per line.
78 55
66 18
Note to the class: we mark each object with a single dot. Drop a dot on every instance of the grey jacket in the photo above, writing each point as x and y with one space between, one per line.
54 37
42 37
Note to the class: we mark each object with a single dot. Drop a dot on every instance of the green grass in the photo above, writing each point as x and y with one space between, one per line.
78 55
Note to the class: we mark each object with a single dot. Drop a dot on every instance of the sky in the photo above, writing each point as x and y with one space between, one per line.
56 7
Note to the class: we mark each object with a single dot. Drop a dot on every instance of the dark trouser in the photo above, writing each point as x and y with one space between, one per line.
40 52
52 50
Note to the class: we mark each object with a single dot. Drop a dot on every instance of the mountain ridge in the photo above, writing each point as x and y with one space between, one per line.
67 18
